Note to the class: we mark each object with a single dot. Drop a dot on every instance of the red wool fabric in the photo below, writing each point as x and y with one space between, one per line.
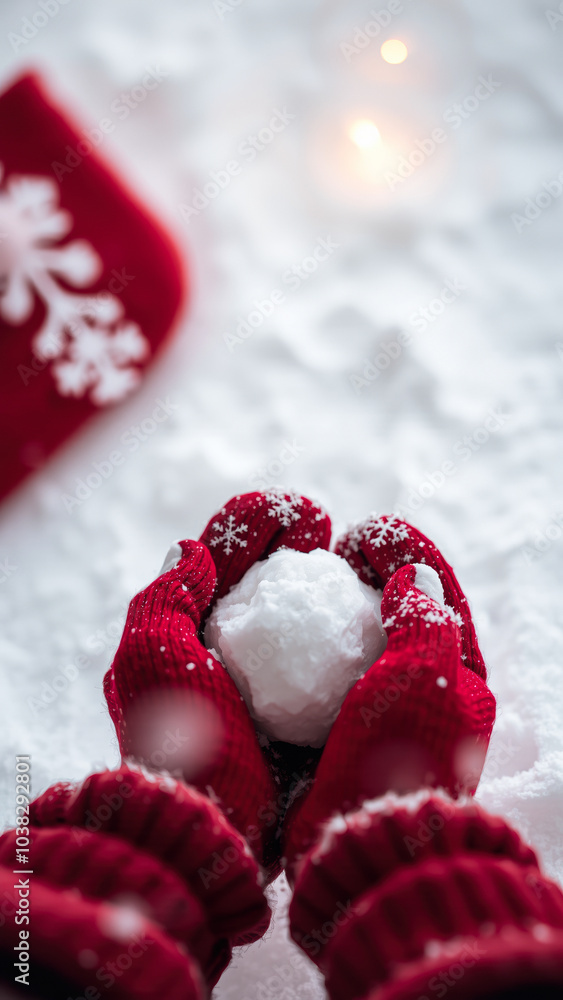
80 943
153 864
410 893
380 545
177 825
418 717
80 259
161 655
110 868
253 525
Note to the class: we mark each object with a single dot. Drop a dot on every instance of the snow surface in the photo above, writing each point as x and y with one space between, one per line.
280 407
295 634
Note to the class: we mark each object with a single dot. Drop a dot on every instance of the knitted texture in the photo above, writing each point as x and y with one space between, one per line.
110 868
418 717
162 669
252 526
79 318
379 545
410 890
175 824
79 943
149 859
162 664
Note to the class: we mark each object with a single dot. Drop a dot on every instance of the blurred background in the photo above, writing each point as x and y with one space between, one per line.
368 198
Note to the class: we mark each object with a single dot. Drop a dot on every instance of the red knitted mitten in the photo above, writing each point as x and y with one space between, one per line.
411 895
154 843
379 546
163 672
80 260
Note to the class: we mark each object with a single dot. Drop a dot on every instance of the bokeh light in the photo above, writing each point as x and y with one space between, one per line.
394 51
365 134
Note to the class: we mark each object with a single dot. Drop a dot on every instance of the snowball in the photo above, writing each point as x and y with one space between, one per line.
295 634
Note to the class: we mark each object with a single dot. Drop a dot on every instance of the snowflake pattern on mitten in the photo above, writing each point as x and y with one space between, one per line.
92 346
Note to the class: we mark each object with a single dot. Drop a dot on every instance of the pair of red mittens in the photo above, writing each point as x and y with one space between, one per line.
416 718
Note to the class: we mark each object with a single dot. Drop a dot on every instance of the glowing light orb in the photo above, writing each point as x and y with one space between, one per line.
394 51
365 134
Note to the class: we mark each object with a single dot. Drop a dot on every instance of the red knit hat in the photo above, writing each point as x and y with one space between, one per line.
420 716
162 666
80 260
410 894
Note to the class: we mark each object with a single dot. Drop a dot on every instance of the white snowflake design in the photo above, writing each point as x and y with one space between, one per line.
375 529
93 348
423 607
284 504
228 534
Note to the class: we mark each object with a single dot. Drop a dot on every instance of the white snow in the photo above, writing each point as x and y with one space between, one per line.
172 558
296 633
427 580
280 407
